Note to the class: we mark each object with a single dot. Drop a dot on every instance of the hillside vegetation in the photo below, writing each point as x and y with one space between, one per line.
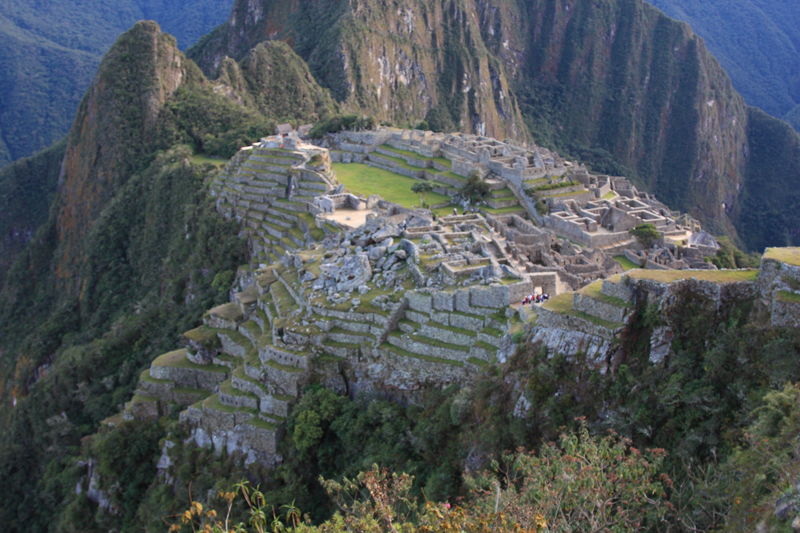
756 41
129 255
51 51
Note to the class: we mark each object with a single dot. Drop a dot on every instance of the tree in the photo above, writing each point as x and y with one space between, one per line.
422 188
476 189
582 484
646 234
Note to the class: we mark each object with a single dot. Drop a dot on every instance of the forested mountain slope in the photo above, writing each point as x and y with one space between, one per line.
616 83
132 251
756 41
51 50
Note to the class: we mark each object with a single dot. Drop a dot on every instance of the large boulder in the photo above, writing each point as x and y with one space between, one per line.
376 253
355 271
386 232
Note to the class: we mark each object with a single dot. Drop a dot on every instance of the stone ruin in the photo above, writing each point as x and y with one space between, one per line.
400 302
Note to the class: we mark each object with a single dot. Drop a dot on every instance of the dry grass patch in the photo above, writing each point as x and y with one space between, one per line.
560 304
718 276
790 256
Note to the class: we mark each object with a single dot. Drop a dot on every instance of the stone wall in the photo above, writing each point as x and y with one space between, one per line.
785 314
189 377
602 310
633 257
518 291
548 281
347 157
555 320
283 357
572 231
418 301
772 275
617 290
231 347
601 191
493 296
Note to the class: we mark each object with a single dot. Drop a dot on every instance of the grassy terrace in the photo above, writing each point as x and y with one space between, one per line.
564 194
204 336
362 179
537 182
284 368
454 329
229 311
203 159
433 342
226 387
262 424
503 210
408 153
560 304
788 297
593 319
784 255
177 359
610 195
718 276
563 304
485 346
453 175
239 373
501 193
212 402
399 161
253 328
593 292
626 263
478 362
145 376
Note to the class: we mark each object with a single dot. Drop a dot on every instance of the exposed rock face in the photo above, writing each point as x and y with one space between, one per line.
112 128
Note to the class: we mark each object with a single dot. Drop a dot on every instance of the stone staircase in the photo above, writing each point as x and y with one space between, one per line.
444 329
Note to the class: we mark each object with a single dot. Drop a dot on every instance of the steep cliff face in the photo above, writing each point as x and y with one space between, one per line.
617 80
623 77
112 129
402 62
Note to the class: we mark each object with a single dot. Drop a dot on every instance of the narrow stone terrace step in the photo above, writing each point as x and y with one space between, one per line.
400 352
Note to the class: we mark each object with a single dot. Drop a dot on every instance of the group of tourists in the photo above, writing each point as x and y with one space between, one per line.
534 299
467 211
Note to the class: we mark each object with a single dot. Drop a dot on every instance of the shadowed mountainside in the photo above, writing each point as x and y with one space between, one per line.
616 83
757 41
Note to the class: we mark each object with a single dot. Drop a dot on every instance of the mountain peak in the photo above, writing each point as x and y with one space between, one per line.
112 128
